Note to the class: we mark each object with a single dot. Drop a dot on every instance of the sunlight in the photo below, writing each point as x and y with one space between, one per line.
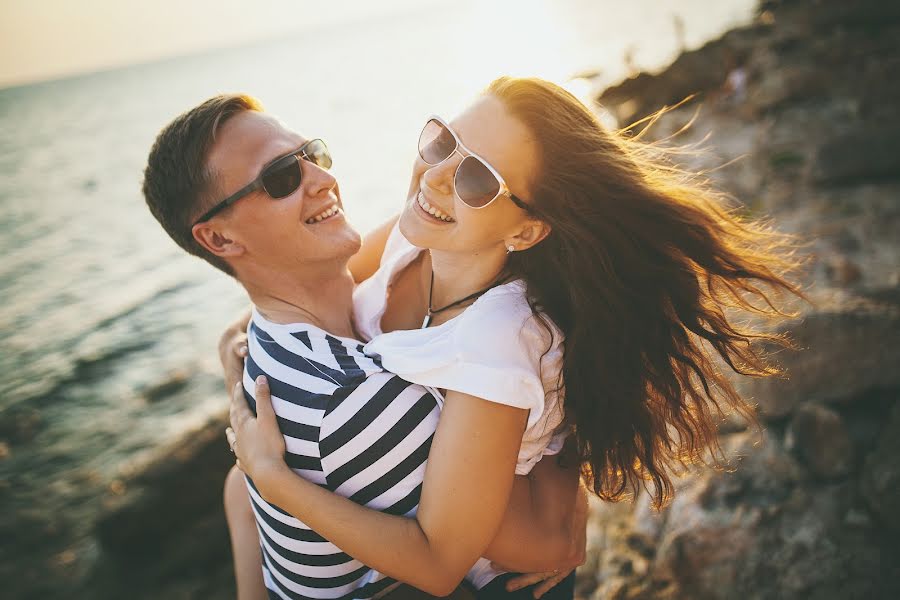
509 37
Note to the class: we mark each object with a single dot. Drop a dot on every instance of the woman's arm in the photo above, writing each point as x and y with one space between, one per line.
364 263
464 496
233 349
542 528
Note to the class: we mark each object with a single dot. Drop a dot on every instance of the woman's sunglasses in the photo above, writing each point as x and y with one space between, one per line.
280 178
477 183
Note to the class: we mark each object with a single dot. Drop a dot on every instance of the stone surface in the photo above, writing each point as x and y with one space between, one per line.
872 152
881 475
845 351
765 530
809 509
163 523
819 437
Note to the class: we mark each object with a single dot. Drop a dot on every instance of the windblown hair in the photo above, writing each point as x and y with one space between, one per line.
177 180
642 271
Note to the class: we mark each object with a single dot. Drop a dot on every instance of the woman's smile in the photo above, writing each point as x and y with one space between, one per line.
431 213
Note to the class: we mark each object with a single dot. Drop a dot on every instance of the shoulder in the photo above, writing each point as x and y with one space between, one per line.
504 320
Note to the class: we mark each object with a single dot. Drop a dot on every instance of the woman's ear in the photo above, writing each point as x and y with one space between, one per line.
533 232
215 241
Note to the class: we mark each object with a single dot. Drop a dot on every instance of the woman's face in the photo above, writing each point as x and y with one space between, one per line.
486 128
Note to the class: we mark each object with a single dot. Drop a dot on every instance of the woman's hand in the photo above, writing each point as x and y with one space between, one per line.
256 442
233 350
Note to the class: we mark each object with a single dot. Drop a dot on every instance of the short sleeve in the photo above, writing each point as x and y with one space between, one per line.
495 350
500 347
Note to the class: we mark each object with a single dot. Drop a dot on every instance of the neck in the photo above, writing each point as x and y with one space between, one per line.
457 275
321 296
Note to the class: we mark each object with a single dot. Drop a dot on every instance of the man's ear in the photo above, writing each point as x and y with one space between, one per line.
533 232
215 241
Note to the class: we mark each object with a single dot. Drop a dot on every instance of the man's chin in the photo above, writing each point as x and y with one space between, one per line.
347 244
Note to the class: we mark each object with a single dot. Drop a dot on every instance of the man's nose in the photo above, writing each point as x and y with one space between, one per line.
319 181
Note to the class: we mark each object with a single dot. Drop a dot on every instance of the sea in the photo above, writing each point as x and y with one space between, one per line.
108 330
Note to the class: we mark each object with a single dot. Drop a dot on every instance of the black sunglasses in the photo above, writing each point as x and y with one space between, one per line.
280 178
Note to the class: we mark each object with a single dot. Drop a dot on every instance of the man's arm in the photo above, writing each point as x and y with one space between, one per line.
542 527
364 263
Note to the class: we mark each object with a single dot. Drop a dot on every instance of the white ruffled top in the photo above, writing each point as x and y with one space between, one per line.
496 349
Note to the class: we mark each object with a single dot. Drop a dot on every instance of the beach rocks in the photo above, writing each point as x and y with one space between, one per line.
768 529
808 508
165 514
820 438
844 351
871 152
881 475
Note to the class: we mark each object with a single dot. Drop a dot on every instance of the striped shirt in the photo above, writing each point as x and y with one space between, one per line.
350 427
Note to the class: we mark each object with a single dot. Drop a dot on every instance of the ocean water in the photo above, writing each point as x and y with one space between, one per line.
100 311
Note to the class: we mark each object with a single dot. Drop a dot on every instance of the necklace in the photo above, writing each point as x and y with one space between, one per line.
434 311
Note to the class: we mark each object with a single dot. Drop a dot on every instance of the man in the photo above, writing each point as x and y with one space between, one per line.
283 236
291 256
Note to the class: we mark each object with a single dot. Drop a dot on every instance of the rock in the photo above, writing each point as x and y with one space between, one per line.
862 13
787 84
696 71
813 511
174 488
19 424
845 241
168 386
164 518
764 532
866 153
880 483
844 350
842 271
820 439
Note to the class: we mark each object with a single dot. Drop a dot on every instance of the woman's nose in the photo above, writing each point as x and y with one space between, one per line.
440 177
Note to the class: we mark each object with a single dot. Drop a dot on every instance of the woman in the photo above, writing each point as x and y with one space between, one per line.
625 257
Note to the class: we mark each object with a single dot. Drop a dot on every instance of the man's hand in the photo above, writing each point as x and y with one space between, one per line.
549 579
233 350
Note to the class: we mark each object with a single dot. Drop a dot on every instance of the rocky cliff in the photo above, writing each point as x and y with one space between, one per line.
802 110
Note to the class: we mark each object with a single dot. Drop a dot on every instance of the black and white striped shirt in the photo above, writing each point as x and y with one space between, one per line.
349 426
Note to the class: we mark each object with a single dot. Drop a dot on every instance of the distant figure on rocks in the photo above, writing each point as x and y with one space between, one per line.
734 89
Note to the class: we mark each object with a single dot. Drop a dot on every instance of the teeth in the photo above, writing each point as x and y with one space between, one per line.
330 211
433 211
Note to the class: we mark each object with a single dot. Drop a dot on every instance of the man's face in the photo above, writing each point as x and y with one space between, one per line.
272 235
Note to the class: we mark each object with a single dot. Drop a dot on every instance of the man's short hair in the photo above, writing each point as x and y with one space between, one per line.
177 182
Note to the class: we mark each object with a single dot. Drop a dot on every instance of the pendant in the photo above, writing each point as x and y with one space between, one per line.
426 321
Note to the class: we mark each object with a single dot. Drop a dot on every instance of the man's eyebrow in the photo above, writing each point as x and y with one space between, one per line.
286 154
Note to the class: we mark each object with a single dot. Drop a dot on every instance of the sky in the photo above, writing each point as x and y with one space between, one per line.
46 39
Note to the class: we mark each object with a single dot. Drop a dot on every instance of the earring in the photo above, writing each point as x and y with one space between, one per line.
510 249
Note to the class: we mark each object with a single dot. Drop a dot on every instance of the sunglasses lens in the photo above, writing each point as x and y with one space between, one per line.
282 178
317 153
436 143
476 185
